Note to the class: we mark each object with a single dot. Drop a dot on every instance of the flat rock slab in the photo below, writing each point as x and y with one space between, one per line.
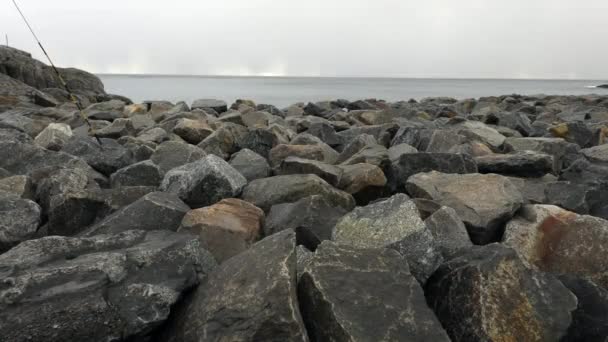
354 294
266 192
250 297
107 287
556 240
486 293
483 212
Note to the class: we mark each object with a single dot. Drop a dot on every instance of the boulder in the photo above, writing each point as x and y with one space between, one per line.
259 140
596 154
294 166
485 293
250 297
590 319
448 230
226 228
224 141
192 131
266 192
17 185
325 132
106 158
313 152
373 154
523 164
218 106
106 110
313 217
154 211
478 131
356 145
105 287
483 212
144 173
172 154
364 181
574 132
117 129
54 136
394 223
204 182
19 220
250 164
409 164
563 152
348 294
533 190
556 240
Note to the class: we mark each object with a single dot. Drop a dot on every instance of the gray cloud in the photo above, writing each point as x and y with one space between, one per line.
387 38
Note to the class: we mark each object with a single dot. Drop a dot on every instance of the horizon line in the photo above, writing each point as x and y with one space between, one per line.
353 77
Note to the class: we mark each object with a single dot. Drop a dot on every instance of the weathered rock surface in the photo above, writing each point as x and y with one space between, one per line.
54 136
349 294
226 228
484 212
204 182
556 240
106 287
266 192
250 297
295 166
448 230
250 164
525 164
144 173
590 319
19 220
218 106
172 154
486 293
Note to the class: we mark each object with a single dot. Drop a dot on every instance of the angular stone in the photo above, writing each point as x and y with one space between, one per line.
156 135
574 132
533 190
559 241
364 181
266 192
204 182
441 141
192 131
106 158
117 129
154 211
483 212
313 216
19 220
172 154
562 151
144 173
54 136
325 132
409 164
294 166
250 164
312 152
523 164
224 141
259 141
18 185
250 297
449 231
348 294
218 106
568 195
590 319
226 228
106 287
485 293
375 155
597 154
478 131
355 146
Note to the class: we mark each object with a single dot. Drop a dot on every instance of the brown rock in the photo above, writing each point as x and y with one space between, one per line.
226 228
193 131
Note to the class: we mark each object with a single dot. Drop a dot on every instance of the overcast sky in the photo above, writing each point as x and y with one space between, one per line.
386 38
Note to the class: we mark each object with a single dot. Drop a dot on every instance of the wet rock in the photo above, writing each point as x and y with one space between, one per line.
395 223
154 211
250 297
192 131
226 228
172 154
54 136
590 319
313 152
204 182
559 241
536 305
523 164
218 106
409 164
19 220
294 165
144 173
266 192
347 294
313 216
106 287
448 230
483 212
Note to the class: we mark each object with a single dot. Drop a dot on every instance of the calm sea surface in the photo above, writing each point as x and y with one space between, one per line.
283 91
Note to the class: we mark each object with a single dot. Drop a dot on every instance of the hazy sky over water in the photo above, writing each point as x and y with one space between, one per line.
385 38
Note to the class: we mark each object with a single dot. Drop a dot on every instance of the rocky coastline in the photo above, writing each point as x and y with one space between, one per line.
433 219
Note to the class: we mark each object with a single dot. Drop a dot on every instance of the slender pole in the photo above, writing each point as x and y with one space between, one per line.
63 83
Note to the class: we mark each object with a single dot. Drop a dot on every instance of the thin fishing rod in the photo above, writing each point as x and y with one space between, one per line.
73 98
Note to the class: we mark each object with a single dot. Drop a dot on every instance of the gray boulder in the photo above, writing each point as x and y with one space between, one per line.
204 182
172 154
19 220
17 185
250 164
106 158
54 136
144 173
294 165
448 230
523 164
218 106
597 154
250 297
259 140
106 287
590 319
349 294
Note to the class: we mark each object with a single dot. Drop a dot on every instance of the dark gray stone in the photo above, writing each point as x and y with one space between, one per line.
106 158
448 230
590 319
259 141
172 154
218 106
523 164
250 164
19 220
294 165
144 173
